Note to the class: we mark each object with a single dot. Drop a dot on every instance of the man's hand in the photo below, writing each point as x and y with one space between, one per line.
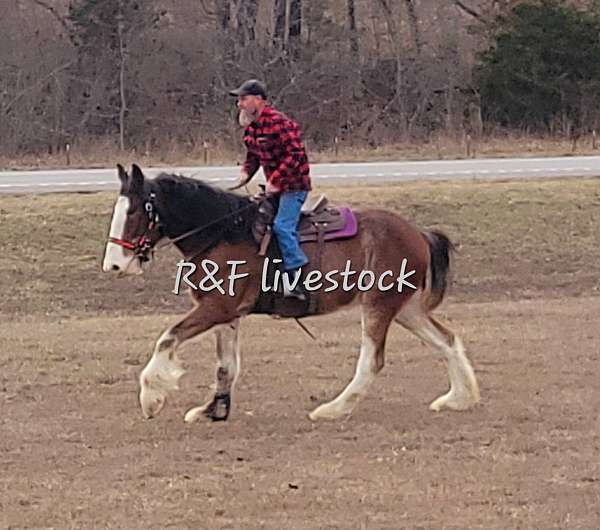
271 190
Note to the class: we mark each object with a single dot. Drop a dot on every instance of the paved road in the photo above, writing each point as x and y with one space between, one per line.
492 168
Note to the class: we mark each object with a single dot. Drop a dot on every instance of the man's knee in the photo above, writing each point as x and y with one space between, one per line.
280 228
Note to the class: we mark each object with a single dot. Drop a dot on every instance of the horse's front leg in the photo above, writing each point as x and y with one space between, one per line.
162 373
228 368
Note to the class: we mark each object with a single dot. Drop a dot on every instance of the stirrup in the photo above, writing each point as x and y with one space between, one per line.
296 292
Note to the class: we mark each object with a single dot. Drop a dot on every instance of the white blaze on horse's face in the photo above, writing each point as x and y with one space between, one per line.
117 258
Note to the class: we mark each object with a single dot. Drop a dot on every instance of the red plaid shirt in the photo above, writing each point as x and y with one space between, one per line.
274 142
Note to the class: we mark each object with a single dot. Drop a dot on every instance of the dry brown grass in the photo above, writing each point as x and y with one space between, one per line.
517 240
106 154
75 452
446 147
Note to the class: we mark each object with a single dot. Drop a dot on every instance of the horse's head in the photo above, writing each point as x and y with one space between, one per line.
134 229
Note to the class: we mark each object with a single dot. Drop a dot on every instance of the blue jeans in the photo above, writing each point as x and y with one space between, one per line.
285 229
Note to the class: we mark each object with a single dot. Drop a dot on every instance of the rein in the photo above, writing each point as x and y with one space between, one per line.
203 227
144 245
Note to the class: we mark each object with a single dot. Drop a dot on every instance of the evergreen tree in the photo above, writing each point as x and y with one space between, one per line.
543 68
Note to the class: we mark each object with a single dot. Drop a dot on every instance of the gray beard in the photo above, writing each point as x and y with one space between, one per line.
246 117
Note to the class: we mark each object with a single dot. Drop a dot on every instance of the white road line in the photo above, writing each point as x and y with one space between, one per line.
474 172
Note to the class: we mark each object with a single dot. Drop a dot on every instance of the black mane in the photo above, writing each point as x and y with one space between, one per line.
186 204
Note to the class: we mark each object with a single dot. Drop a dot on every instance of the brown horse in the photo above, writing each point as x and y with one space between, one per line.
212 226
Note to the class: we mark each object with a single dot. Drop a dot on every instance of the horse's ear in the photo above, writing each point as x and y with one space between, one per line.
122 173
137 178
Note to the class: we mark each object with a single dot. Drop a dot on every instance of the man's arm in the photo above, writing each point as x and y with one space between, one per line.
289 137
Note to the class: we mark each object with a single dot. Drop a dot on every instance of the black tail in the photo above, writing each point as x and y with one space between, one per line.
440 248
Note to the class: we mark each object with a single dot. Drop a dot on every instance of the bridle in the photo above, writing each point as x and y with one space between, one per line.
143 246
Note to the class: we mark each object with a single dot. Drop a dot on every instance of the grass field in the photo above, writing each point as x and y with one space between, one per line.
76 453
516 240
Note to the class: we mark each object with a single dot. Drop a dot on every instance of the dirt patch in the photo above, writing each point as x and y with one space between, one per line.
77 454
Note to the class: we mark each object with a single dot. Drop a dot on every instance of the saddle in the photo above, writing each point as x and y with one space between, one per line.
319 222
317 219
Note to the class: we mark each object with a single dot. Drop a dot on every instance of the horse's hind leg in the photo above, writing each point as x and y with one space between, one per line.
464 390
228 368
375 325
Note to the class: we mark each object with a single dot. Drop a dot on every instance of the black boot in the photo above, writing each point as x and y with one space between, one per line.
298 291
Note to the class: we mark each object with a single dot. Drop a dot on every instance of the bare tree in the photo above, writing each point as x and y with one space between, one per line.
353 35
414 24
247 12
396 38
363 70
280 31
54 12
295 19
467 9
122 68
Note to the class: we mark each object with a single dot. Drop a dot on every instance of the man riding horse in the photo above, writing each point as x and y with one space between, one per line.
210 224
274 142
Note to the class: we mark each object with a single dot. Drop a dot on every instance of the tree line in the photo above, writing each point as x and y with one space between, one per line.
139 74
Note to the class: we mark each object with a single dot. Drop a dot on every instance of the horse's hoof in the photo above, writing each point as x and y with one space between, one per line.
218 410
194 414
326 412
452 402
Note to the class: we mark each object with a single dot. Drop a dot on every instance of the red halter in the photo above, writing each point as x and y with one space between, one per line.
122 243
143 245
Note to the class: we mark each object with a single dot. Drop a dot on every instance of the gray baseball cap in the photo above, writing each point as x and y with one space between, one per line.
252 87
